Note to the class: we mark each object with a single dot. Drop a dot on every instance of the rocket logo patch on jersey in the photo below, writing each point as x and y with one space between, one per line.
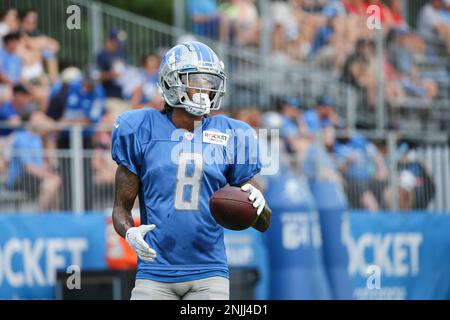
215 137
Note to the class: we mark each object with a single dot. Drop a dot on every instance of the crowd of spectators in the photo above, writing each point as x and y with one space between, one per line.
333 34
39 102
315 143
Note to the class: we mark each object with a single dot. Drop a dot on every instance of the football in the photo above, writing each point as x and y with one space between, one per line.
232 209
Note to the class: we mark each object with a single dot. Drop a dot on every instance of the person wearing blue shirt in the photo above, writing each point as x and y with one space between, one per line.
290 128
8 115
325 33
10 63
365 171
85 104
323 116
112 62
204 15
11 111
27 170
147 94
175 160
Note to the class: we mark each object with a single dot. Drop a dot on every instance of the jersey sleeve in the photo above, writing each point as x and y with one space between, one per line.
126 149
246 159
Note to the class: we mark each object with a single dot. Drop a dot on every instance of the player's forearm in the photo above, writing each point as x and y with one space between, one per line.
122 220
127 188
262 223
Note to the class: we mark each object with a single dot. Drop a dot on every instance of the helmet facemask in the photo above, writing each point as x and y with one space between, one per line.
198 92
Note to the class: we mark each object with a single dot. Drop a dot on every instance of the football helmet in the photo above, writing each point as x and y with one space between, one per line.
192 77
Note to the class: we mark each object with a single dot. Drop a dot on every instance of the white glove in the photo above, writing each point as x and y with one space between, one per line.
256 196
135 238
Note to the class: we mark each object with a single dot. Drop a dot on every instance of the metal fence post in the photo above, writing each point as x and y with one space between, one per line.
380 112
77 173
350 108
96 25
179 15
264 52
393 176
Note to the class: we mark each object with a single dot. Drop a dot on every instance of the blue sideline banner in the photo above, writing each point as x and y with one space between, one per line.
246 249
34 247
400 255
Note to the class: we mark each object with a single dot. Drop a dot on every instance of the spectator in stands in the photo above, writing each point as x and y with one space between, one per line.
60 90
205 18
37 48
324 34
330 45
229 14
247 23
323 163
431 25
320 160
322 116
364 170
394 9
309 19
270 121
285 32
402 59
147 93
359 70
28 170
9 23
112 63
242 21
85 105
445 12
292 130
415 178
10 63
290 111
12 111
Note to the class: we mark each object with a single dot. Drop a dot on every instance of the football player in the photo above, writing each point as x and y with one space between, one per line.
175 160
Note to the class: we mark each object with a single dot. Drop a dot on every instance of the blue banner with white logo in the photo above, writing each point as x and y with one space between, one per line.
34 247
400 255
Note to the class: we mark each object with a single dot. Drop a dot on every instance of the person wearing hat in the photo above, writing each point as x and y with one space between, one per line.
59 91
322 116
292 126
290 111
112 66
111 61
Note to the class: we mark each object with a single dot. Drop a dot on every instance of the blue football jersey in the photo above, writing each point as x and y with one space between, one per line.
179 171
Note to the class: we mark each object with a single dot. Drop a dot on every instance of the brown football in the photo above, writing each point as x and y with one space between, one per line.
232 209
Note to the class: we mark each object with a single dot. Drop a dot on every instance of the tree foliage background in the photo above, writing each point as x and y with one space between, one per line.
160 10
